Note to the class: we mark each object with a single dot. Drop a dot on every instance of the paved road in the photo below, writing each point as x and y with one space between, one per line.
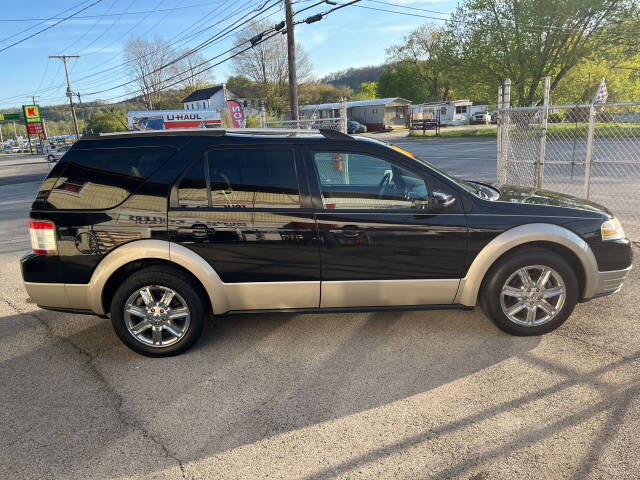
427 394
468 158
16 169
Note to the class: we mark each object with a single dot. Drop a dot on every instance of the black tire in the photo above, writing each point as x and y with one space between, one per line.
491 301
51 158
186 290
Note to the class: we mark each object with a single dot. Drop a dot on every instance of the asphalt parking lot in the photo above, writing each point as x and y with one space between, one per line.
424 394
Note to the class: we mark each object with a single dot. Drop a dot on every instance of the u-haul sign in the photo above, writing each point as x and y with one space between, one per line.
171 119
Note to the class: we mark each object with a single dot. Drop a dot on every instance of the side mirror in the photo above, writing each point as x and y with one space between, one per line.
441 199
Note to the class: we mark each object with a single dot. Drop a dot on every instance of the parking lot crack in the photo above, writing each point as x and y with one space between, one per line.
116 398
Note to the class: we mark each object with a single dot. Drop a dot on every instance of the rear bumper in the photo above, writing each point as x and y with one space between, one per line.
610 282
59 295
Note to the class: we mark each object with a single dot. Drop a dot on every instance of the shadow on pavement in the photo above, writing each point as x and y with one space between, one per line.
255 376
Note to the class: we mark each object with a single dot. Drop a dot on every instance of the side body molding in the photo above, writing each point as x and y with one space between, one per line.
163 250
532 232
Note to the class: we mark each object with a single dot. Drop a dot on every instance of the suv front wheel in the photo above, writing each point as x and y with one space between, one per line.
158 312
530 293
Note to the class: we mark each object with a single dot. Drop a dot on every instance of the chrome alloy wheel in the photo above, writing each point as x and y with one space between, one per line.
533 295
156 316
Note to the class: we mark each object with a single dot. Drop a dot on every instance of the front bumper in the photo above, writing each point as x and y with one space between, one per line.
610 282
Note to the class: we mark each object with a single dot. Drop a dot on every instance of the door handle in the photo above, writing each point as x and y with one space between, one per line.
198 230
351 231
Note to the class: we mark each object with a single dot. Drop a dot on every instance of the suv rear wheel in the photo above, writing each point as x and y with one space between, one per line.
530 293
158 312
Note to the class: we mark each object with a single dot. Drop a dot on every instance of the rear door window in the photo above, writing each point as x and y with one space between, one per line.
104 177
257 178
241 178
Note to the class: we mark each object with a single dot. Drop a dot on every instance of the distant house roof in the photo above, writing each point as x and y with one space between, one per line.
202 94
443 102
357 103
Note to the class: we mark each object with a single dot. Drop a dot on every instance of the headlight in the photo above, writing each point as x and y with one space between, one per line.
612 230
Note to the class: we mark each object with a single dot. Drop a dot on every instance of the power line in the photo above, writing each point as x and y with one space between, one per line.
531 27
407 7
75 42
48 28
253 43
93 73
209 42
219 34
209 67
180 57
222 37
108 14
104 32
43 21
155 50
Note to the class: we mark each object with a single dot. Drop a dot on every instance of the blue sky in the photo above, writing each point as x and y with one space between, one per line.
349 37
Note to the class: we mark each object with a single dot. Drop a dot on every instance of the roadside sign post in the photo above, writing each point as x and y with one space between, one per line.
32 121
8 116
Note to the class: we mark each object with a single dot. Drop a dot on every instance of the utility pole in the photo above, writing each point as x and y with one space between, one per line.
84 114
291 48
69 91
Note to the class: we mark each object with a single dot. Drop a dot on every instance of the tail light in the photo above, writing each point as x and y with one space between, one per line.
43 237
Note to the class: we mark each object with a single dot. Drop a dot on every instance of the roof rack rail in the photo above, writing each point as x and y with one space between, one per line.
334 134
216 132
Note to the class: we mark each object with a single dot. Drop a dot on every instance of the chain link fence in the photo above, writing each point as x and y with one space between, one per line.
590 151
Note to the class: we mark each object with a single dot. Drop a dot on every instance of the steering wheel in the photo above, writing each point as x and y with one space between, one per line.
384 183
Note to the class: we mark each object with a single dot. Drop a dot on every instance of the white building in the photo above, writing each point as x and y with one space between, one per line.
207 98
452 112
375 114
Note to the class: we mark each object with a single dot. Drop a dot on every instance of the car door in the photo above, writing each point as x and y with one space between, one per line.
391 232
242 209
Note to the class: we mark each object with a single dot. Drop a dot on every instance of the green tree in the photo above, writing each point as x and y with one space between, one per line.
314 93
430 50
526 40
367 91
110 120
403 81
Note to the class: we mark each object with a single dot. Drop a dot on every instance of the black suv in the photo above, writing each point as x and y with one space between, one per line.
160 229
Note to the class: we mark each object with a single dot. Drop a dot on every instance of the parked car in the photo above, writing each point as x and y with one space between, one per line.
494 118
55 155
159 229
355 127
7 149
481 117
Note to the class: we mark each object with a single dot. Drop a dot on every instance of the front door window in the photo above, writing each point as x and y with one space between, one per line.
359 181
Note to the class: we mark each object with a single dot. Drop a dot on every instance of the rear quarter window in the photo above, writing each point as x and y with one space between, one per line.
100 178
